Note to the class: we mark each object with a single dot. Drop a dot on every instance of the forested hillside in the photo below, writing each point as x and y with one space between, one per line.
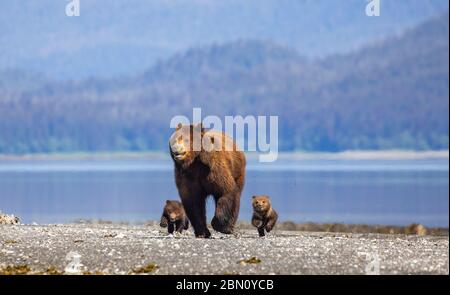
392 94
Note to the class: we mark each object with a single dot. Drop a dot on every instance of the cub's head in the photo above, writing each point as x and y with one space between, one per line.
261 203
174 210
181 143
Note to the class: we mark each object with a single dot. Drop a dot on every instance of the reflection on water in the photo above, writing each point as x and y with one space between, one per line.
374 192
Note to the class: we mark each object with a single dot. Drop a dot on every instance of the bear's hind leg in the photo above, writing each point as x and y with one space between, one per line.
227 211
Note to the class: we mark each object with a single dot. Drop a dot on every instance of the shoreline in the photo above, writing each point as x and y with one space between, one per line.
287 225
147 249
297 155
325 227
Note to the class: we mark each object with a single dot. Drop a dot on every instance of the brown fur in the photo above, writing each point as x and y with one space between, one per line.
264 216
200 174
174 217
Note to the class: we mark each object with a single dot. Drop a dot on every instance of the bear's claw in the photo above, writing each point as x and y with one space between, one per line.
221 227
206 234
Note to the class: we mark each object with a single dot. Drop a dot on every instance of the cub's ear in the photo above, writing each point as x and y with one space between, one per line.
253 197
167 202
179 126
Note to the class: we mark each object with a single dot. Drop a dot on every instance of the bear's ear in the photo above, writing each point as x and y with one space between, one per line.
167 202
199 126
179 126
253 197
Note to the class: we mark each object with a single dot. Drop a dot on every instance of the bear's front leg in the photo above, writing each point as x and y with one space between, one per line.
171 228
256 222
195 207
261 231
271 222
227 211
164 221
179 226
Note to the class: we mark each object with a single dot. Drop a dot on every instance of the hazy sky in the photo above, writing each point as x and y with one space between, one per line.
127 36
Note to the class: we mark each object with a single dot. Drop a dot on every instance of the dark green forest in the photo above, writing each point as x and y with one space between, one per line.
393 94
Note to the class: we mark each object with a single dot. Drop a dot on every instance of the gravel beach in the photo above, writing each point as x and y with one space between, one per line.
143 249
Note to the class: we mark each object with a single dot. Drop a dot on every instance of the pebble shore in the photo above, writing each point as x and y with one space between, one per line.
144 249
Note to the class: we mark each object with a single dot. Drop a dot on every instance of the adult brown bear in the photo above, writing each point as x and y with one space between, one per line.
208 163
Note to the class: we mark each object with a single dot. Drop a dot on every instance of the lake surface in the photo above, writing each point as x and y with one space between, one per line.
396 192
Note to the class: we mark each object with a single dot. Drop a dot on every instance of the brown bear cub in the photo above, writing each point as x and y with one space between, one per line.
174 217
264 216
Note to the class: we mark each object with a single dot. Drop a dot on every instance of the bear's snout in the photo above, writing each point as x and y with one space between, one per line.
260 206
178 150
172 217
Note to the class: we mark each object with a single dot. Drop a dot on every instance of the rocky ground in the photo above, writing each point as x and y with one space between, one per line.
141 249
8 219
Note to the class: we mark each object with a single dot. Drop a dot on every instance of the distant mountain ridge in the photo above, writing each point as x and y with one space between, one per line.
390 95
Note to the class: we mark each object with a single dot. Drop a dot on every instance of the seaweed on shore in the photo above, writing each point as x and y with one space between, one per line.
95 273
53 271
15 270
146 269
9 242
252 260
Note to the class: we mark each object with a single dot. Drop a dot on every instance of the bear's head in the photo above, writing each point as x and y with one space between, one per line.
261 203
174 211
183 148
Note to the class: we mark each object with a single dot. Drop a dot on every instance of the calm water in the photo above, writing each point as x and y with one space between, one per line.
374 192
